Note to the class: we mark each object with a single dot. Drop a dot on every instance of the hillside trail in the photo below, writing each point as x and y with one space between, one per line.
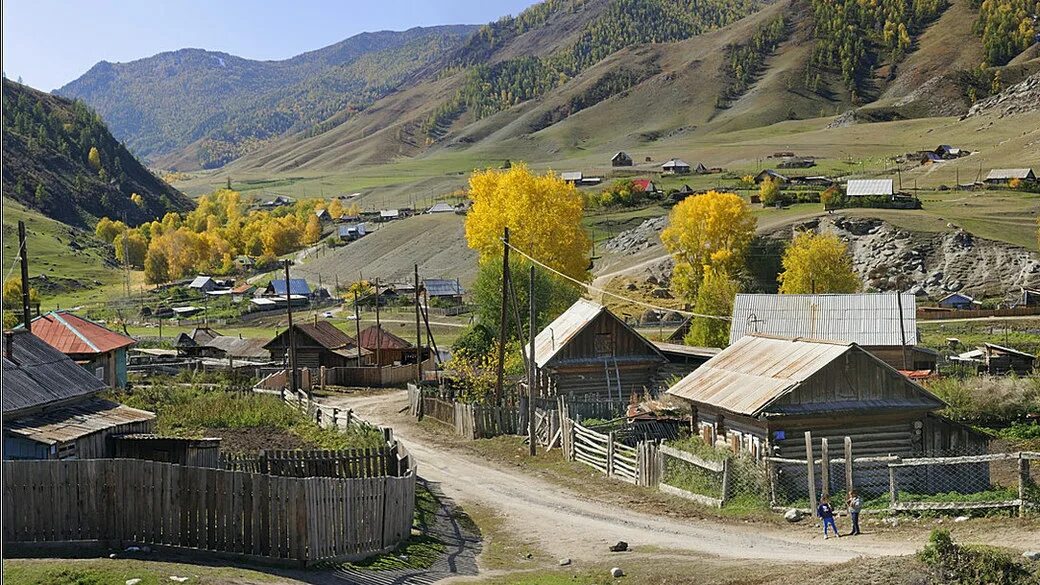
568 524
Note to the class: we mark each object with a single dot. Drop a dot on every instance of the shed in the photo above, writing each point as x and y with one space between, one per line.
200 452
323 214
189 344
646 185
1030 297
763 392
676 166
236 348
869 188
621 159
386 348
929 157
882 323
573 177
98 349
389 214
998 360
1004 176
958 301
50 405
351 232
771 175
317 344
443 288
244 262
203 284
589 353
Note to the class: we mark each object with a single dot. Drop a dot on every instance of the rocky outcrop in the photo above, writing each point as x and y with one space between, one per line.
1017 99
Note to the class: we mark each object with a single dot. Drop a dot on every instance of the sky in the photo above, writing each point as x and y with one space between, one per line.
48 43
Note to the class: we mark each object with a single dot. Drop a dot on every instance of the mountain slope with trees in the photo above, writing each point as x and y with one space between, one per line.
60 159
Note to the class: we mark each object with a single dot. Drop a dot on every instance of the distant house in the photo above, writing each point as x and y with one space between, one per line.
771 175
101 351
683 192
700 169
323 214
946 151
385 348
646 185
1004 176
621 159
444 289
317 344
1004 360
189 344
51 407
761 394
589 353
241 291
676 166
796 163
229 347
297 286
441 207
958 301
351 232
203 284
882 323
929 157
389 214
243 262
869 188
279 201
1030 297
572 177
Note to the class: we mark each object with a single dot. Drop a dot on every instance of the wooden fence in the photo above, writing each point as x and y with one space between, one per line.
290 520
342 463
717 472
471 421
603 452
375 377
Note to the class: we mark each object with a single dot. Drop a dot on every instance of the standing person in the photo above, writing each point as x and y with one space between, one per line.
826 513
855 504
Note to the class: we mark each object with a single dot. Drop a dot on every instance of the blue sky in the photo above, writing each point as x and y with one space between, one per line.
50 42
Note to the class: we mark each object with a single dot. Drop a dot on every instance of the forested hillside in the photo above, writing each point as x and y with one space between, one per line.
60 159
223 106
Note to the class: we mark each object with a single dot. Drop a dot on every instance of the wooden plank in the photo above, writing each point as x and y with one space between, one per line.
715 466
705 500
910 506
811 479
955 460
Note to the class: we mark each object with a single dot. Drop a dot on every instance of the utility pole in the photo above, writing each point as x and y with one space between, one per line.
357 327
500 368
418 332
292 333
23 255
532 368
379 331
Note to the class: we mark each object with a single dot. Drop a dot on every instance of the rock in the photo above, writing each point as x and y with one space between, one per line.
112 556
1033 555
661 293
621 546
631 286
793 515
565 562
652 279
617 572
133 581
178 579
961 519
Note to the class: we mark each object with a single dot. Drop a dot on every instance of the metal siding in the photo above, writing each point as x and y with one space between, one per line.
867 187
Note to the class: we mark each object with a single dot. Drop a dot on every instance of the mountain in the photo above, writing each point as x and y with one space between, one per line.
60 159
194 108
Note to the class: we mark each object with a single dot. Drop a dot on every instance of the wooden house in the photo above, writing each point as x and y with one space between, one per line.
243 262
572 177
882 323
446 290
385 348
646 185
761 394
589 353
1005 176
958 301
98 349
621 159
52 408
675 166
297 287
771 175
190 344
1030 297
323 215
317 344
998 360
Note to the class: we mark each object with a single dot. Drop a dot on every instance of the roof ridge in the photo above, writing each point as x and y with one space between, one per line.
75 331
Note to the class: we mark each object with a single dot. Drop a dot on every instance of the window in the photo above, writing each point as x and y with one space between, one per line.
604 344
99 373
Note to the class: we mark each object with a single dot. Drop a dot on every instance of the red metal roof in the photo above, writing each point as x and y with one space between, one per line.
388 340
643 184
71 335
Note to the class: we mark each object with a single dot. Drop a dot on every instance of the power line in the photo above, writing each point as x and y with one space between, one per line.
589 287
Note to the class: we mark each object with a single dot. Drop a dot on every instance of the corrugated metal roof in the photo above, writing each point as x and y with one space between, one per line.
238 347
38 374
751 373
675 162
297 286
74 421
436 287
686 350
200 282
571 176
72 334
1009 174
441 208
866 319
866 187
373 336
563 328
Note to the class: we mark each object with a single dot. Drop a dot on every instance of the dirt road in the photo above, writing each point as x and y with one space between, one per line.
566 524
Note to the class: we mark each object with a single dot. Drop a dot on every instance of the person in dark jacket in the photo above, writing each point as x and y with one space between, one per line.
826 513
855 504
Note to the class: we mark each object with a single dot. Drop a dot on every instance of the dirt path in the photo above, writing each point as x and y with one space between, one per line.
566 524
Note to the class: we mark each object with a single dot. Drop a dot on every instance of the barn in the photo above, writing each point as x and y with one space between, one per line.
317 344
589 353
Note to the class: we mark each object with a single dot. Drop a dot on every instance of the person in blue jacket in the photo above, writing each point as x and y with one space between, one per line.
826 513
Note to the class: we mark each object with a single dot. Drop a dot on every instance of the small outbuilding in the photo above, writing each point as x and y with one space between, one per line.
203 284
959 301
441 207
621 159
869 188
572 177
675 166
297 286
385 348
772 176
98 349
444 289
1005 176
999 360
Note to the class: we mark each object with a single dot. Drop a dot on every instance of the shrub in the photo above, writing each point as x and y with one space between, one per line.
988 399
958 564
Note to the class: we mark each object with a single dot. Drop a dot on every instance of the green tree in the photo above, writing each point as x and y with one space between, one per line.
552 295
715 296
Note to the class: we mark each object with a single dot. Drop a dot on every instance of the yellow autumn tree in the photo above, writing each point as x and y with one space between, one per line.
710 230
107 230
137 199
94 158
817 263
769 192
12 293
131 248
312 233
335 208
543 213
714 298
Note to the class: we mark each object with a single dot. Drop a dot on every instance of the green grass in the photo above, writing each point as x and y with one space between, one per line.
1022 334
118 571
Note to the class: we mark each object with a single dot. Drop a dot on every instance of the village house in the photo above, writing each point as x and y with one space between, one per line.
588 353
389 214
1030 297
928 157
761 394
681 194
203 284
771 175
796 163
869 188
444 290
317 344
385 348
190 344
948 152
885 324
101 351
349 233
958 301
1005 176
229 347
621 159
244 263
323 215
675 166
645 185
297 287
998 360
51 408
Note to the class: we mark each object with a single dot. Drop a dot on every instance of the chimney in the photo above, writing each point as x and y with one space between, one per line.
9 345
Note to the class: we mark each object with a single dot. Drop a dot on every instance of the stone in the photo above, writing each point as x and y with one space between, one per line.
565 562
178 579
133 581
112 556
1033 555
621 546
958 518
617 572
793 515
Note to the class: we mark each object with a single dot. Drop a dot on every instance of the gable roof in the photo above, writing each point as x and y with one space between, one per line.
441 287
675 162
297 286
556 335
746 377
1001 348
72 334
37 374
620 155
238 347
323 333
957 295
571 176
441 207
373 336
389 213
999 174
73 421
868 187
201 281
866 318
643 184
761 176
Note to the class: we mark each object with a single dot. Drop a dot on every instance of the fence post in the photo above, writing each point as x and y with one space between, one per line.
1023 478
610 454
725 481
335 418
771 478
849 486
825 469
811 472
893 489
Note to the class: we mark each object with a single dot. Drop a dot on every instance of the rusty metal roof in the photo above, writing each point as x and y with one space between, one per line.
866 319
756 370
71 422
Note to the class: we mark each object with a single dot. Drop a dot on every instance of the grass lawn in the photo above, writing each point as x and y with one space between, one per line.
118 571
1022 334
